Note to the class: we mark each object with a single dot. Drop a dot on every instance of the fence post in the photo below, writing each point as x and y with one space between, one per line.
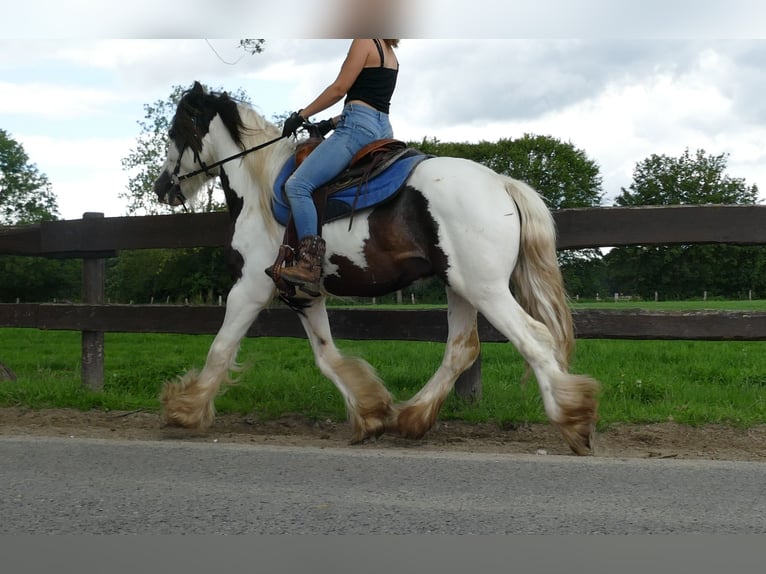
93 279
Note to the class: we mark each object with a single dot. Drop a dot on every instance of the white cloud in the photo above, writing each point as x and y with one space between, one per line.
96 194
53 101
85 174
113 54
633 116
618 100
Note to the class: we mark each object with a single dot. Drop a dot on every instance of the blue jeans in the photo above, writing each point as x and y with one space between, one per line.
358 126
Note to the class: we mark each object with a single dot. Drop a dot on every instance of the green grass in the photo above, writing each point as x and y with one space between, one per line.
691 382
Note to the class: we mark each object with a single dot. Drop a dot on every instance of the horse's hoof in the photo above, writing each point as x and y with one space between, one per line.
579 439
369 431
415 421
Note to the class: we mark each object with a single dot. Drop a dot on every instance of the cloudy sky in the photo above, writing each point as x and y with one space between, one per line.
74 102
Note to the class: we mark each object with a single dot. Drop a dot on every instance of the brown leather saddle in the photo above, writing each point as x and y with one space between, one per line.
371 160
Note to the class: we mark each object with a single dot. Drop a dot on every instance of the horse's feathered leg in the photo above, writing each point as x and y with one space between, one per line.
188 401
368 402
418 414
569 400
545 325
502 231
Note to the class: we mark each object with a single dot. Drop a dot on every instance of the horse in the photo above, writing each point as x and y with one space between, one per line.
489 238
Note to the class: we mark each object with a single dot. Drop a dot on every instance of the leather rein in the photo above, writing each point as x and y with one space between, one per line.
176 179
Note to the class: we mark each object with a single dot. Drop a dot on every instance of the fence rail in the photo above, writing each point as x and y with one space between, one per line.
94 238
578 228
379 324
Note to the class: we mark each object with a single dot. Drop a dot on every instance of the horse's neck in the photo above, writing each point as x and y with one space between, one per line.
252 176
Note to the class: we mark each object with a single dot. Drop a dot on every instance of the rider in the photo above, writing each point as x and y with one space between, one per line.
367 78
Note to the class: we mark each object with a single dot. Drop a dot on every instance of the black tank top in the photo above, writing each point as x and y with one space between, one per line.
375 86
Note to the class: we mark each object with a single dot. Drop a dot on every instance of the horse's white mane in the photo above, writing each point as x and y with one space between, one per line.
264 164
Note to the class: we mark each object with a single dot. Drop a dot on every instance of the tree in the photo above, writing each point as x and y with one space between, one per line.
560 172
36 279
252 45
686 180
678 272
199 275
148 156
26 197
25 193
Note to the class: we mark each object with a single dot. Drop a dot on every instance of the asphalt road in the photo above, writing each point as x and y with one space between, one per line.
84 486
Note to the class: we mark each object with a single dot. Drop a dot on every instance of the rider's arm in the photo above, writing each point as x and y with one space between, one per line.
332 94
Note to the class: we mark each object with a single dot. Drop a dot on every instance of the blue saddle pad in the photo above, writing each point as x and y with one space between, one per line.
372 192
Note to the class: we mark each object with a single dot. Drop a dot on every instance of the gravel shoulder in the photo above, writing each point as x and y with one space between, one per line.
666 440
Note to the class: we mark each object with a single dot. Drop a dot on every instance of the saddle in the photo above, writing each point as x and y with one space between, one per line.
368 162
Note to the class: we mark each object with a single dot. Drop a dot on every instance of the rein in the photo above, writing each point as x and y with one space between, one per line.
176 194
205 168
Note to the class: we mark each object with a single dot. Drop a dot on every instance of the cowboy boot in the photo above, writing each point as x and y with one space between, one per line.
307 269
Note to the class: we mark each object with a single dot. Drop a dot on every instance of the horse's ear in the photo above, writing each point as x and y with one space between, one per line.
197 88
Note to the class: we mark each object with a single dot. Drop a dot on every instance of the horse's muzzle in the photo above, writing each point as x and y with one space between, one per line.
168 191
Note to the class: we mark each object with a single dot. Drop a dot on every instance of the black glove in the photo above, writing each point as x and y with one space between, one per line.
324 127
292 124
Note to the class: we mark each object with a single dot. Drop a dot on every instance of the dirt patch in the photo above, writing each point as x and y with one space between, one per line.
667 440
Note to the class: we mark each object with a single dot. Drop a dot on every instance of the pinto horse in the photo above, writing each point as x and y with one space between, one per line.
489 238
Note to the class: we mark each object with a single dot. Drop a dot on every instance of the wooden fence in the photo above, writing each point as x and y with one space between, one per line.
94 238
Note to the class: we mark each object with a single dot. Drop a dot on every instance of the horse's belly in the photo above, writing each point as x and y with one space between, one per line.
347 279
378 255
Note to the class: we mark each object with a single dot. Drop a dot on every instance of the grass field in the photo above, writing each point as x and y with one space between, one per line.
691 382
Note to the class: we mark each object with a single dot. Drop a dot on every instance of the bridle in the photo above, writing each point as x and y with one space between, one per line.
176 179
175 192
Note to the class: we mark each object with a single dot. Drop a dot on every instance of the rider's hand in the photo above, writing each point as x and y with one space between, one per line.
292 124
324 127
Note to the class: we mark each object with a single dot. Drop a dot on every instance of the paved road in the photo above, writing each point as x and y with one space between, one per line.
76 485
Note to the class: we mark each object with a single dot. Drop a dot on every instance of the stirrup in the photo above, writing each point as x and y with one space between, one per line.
311 289
285 256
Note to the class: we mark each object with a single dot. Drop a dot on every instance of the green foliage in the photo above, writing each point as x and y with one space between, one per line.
585 272
686 180
26 197
561 173
35 280
148 156
25 193
684 271
198 274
